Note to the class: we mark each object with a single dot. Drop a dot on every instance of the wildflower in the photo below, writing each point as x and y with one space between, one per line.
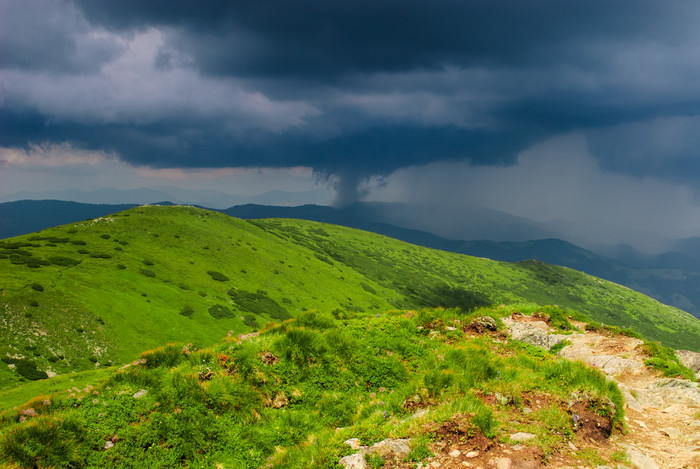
386 414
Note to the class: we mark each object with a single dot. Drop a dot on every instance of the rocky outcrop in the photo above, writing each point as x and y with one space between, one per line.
387 449
533 333
483 324
691 360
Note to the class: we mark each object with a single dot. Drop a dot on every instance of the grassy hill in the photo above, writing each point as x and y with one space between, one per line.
97 293
290 396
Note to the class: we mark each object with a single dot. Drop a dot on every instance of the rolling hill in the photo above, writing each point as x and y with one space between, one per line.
671 277
98 292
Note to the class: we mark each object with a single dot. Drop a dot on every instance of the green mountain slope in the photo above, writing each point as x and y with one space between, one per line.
99 292
290 396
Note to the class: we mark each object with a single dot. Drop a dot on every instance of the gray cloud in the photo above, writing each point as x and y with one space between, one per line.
353 89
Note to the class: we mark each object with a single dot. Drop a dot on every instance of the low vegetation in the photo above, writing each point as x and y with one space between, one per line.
290 396
82 295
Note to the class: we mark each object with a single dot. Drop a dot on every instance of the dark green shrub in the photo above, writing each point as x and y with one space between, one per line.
121 266
316 320
220 312
28 370
167 357
83 251
187 311
218 276
34 303
64 261
78 242
148 273
258 303
437 381
147 262
105 236
37 287
323 258
484 421
44 442
367 288
100 255
250 321
302 346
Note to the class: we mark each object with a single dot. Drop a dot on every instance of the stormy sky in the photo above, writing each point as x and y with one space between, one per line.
551 110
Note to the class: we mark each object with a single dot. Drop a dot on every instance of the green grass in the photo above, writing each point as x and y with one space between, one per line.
279 398
155 274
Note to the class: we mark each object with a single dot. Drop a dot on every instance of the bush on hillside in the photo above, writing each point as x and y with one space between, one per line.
218 276
100 255
64 261
37 287
187 311
28 370
220 312
258 303
250 321
45 442
148 273
169 356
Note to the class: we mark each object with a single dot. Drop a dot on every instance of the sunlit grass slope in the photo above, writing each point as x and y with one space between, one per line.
97 293
290 396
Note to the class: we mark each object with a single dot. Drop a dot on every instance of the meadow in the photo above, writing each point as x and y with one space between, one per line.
95 294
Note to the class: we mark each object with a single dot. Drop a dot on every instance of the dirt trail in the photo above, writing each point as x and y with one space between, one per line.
664 430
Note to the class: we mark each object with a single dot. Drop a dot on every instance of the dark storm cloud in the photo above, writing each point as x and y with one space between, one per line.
351 89
320 39
39 36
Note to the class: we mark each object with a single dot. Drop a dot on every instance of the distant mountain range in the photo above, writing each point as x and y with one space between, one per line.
672 277
145 195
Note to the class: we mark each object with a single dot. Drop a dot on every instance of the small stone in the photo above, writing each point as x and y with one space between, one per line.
503 463
108 445
672 433
354 461
572 446
353 443
140 393
455 453
527 410
391 447
471 454
522 436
